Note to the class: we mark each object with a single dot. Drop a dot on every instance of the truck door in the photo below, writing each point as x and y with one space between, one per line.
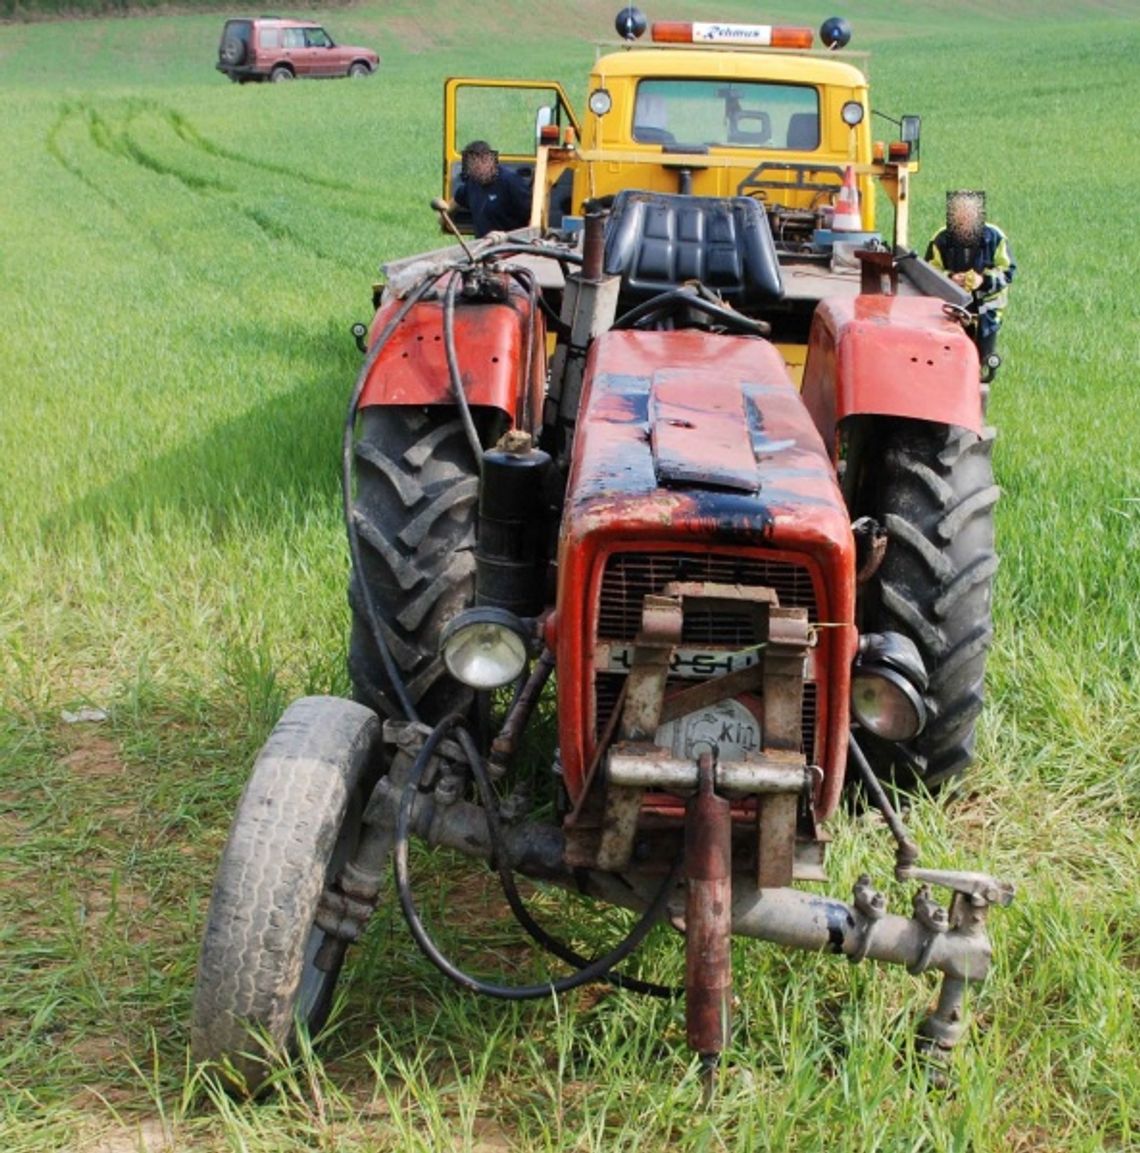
514 117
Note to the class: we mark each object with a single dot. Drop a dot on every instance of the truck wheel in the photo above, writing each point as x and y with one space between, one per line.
297 824
934 493
417 487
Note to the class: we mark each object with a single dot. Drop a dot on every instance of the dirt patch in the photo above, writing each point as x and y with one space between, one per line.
93 754
150 1136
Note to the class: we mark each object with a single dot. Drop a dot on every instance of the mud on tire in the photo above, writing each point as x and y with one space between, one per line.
932 489
297 824
415 513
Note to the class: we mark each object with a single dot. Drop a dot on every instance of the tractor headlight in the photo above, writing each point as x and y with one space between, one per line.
887 684
485 648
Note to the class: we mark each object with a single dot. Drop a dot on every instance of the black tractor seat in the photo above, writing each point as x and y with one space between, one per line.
656 241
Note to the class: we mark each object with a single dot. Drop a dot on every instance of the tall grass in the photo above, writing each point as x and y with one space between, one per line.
181 260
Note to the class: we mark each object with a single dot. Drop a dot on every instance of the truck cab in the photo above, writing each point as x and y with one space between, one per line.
714 110
701 109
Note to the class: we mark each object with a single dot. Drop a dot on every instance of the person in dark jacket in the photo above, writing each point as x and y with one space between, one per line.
976 255
498 198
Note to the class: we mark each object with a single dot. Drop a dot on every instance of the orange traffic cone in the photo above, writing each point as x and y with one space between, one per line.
848 217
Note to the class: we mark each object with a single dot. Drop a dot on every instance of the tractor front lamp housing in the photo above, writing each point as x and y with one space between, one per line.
887 685
485 648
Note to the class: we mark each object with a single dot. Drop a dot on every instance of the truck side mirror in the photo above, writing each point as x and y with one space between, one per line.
910 129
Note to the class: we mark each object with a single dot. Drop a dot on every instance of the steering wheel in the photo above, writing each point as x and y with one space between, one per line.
676 300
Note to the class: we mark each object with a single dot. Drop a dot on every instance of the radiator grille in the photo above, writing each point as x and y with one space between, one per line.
629 577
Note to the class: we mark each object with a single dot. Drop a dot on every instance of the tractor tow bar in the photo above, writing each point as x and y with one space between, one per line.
708 923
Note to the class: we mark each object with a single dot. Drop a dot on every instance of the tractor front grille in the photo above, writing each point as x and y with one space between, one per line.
630 577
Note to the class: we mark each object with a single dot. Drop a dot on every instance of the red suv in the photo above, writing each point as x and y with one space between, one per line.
260 49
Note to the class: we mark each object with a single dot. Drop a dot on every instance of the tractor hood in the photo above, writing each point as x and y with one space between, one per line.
677 426
694 446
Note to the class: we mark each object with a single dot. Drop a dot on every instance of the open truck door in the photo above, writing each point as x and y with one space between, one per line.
521 119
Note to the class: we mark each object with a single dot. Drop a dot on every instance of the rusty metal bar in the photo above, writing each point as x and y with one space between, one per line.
648 767
708 917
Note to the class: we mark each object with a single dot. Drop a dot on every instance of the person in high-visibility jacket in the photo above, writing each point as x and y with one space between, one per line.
976 255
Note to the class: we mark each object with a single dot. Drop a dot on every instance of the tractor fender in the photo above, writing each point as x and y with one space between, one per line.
889 356
492 340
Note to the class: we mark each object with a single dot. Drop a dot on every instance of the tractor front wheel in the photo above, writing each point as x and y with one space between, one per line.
932 488
261 969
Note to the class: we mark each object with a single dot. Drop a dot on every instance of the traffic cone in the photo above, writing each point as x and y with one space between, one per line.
848 217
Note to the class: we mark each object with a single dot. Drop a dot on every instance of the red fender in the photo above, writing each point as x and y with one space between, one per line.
889 356
491 347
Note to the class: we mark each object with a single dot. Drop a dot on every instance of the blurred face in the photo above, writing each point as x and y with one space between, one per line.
965 216
482 167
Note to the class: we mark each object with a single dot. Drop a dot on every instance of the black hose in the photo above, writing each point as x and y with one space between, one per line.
510 890
564 256
454 374
596 970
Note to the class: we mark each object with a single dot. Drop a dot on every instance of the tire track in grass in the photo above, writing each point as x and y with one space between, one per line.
184 129
119 138
70 112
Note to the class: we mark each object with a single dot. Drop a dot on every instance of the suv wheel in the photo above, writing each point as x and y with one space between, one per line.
359 69
280 73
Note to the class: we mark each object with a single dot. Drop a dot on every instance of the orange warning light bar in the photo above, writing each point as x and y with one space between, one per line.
748 35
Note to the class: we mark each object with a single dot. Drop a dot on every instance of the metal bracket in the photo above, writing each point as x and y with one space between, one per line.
873 906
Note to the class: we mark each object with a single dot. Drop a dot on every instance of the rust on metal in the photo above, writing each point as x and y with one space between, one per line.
708 916
618 502
643 766
661 622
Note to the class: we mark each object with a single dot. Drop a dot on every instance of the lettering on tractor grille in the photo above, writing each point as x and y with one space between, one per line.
707 632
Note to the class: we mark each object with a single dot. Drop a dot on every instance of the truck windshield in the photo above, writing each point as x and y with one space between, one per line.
726 114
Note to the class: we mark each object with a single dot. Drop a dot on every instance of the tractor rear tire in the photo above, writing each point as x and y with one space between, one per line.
935 496
416 506
297 824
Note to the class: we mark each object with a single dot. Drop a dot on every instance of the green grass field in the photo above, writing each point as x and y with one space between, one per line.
180 261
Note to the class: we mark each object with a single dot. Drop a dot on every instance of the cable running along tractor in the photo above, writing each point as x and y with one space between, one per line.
700 457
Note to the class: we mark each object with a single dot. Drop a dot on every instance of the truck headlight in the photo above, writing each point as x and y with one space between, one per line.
485 648
887 683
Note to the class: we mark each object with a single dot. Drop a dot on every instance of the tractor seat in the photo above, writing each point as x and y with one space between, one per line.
656 241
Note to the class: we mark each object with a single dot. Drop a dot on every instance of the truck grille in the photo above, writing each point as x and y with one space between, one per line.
630 577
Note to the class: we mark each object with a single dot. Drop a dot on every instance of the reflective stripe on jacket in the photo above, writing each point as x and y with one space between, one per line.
992 259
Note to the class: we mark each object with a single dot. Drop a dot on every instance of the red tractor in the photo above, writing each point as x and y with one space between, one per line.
702 466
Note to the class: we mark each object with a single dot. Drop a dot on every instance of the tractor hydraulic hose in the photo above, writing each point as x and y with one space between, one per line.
453 370
596 970
421 289
564 256
510 890
528 281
